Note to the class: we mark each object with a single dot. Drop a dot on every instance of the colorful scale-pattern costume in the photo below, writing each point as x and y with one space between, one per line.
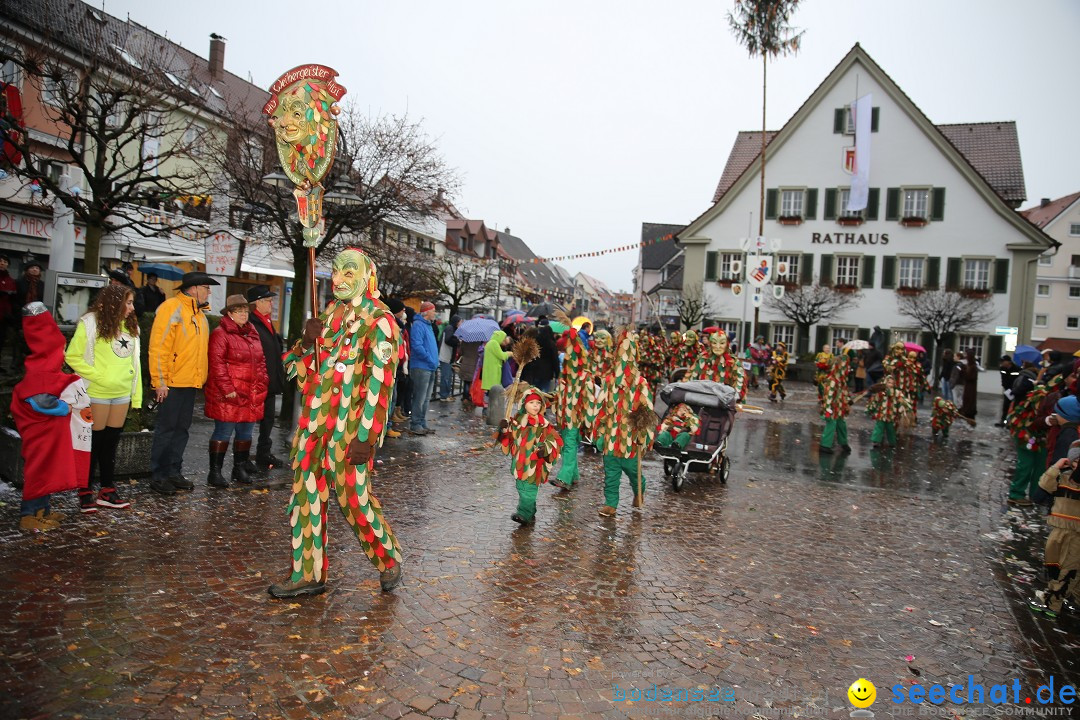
686 353
347 381
1022 421
943 415
651 354
524 438
778 371
836 401
722 368
572 403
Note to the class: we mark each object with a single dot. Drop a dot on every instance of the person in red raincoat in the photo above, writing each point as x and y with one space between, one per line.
235 389
52 413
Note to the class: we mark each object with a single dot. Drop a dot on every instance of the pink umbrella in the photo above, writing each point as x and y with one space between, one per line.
914 347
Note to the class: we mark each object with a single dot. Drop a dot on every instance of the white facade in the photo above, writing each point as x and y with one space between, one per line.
978 232
1057 290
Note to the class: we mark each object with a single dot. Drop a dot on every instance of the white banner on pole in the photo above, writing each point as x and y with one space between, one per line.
862 110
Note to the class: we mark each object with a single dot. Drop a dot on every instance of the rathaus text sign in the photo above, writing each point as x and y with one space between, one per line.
849 238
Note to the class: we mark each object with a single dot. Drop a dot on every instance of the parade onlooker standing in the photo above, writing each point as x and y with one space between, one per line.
1009 372
971 385
496 353
544 370
261 300
179 342
448 350
423 363
29 288
943 381
7 300
149 296
235 389
104 351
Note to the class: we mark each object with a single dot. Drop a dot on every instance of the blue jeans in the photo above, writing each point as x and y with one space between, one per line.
223 430
30 507
446 380
946 389
423 384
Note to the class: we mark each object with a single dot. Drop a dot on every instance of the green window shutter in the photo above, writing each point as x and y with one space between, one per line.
952 273
873 199
933 273
875 113
1001 275
825 278
993 352
888 272
763 329
866 269
811 204
772 198
822 336
806 268
937 204
710 265
892 204
838 120
829 212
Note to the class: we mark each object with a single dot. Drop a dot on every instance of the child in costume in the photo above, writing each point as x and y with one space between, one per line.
52 414
678 427
886 405
1062 556
778 372
942 417
571 404
534 445
821 364
836 404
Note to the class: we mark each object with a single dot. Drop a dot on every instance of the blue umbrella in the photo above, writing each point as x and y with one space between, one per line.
1026 353
511 313
477 329
163 271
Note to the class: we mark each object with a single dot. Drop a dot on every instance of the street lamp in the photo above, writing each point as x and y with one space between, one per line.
342 194
126 255
28 257
277 179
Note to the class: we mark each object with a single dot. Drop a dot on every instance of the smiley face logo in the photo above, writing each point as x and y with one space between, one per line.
862 693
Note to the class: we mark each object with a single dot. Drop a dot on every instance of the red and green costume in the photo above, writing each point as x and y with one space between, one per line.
836 402
1029 436
678 427
887 405
722 368
572 404
651 354
346 379
942 417
533 444
686 353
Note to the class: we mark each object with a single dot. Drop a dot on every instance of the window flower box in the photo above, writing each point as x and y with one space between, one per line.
914 222
849 221
975 292
909 291
789 285
846 288
790 220
726 282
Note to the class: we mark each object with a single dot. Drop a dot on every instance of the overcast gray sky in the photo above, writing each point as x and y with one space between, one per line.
574 122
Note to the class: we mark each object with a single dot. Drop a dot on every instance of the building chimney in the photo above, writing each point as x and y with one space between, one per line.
1045 202
217 56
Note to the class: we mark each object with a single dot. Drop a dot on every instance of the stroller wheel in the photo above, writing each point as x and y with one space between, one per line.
669 467
678 478
725 469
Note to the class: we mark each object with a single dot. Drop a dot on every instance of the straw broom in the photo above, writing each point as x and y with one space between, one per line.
642 419
525 351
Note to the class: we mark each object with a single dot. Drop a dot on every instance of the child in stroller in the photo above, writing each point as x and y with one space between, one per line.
715 405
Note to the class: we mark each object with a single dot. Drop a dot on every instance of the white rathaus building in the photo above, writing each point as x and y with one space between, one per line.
941 214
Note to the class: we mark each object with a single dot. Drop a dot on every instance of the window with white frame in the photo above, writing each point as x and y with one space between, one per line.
791 203
728 264
971 344
1046 260
977 274
904 335
1072 322
1074 291
847 270
849 121
1074 229
731 328
1041 321
917 203
790 264
1042 290
52 92
841 334
194 138
911 272
842 211
9 69
783 333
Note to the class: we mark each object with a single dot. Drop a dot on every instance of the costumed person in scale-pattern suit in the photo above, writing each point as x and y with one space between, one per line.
685 353
534 445
778 372
836 404
718 365
345 364
571 405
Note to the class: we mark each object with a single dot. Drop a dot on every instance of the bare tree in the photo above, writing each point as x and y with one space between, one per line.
463 280
125 123
403 271
941 312
808 305
695 305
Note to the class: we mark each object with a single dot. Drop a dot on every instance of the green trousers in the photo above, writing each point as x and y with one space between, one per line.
664 439
1030 465
526 508
614 469
568 473
883 429
835 431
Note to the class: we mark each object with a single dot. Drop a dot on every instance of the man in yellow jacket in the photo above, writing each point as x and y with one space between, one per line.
179 342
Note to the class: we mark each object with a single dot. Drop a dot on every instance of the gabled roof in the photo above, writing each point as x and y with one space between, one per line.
990 162
746 149
539 275
674 282
1043 215
655 254
993 149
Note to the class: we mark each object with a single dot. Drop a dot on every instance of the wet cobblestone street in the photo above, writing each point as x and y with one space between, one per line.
801 574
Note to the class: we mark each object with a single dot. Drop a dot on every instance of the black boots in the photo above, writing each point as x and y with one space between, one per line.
218 448
241 457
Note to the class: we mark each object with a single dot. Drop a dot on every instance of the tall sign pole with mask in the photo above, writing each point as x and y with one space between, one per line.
303 112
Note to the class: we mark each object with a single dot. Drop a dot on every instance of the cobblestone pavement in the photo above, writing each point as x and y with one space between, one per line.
801 574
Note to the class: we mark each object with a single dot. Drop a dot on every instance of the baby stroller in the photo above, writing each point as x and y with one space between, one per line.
714 404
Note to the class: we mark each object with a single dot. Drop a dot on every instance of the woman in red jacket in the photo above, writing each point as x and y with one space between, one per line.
235 389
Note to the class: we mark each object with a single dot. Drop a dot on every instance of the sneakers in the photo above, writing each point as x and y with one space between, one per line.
418 431
291 589
87 503
559 484
109 498
37 523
